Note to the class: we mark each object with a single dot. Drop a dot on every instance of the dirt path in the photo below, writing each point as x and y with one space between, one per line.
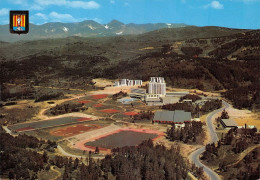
58 172
41 114
243 155
64 153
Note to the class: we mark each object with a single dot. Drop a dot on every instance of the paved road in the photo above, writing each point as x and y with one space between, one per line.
194 156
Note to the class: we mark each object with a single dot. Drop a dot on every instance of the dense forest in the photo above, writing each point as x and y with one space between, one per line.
245 96
192 97
195 110
119 95
146 161
66 108
188 133
19 159
143 115
234 142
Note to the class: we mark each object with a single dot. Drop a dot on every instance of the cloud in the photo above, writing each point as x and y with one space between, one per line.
42 16
112 2
71 4
215 5
18 1
4 11
54 16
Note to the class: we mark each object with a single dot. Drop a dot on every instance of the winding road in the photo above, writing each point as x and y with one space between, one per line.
194 156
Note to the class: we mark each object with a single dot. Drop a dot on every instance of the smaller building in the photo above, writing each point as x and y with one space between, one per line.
137 93
128 82
170 100
228 123
176 93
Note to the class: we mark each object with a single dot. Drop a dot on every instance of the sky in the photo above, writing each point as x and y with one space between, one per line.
244 14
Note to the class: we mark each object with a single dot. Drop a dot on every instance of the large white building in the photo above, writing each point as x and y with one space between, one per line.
157 86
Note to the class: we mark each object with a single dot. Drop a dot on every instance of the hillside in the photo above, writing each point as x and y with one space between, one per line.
185 59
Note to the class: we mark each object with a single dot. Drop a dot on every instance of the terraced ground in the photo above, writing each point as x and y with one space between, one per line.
46 123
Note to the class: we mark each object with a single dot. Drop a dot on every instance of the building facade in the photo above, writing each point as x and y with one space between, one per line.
157 86
128 82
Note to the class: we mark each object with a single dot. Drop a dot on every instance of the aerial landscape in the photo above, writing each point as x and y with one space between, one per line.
128 97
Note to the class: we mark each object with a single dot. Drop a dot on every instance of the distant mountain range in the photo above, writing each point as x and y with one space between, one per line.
87 28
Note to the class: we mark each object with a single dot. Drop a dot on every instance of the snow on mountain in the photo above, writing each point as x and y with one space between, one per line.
106 26
91 27
119 33
65 29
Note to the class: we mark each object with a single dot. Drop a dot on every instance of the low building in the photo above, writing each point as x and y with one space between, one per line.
228 123
170 100
137 93
176 93
138 90
172 117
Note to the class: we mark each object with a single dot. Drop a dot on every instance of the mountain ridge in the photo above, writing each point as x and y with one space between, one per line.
87 28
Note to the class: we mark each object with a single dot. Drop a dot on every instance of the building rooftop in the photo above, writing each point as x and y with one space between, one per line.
229 122
178 116
181 116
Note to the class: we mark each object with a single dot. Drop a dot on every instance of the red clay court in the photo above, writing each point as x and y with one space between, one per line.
99 96
84 102
24 129
98 105
74 130
130 113
83 119
110 111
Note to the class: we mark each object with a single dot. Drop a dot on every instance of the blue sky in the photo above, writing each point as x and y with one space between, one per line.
227 13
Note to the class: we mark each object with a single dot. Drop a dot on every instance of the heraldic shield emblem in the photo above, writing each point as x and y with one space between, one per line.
19 22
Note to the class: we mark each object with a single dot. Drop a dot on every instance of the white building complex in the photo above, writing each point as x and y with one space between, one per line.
127 82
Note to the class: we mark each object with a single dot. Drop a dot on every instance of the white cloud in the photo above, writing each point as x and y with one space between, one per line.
42 16
84 5
50 2
18 1
54 16
35 7
4 11
215 5
67 3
